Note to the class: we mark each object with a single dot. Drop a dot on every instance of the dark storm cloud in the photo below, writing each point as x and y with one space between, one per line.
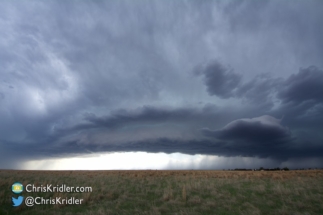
223 148
259 130
262 136
259 91
298 98
220 81
281 28
116 76
297 95
257 137
306 85
143 123
224 83
144 114
301 99
205 146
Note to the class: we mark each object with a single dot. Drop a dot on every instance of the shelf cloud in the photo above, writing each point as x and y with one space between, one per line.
222 78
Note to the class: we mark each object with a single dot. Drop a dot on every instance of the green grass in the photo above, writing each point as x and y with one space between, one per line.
173 192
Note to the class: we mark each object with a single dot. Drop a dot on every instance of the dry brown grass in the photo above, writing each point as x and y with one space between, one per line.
184 193
174 192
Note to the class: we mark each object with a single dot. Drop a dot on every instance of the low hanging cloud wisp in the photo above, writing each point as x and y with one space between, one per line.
258 130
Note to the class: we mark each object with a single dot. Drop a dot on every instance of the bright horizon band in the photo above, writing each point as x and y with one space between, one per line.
58 189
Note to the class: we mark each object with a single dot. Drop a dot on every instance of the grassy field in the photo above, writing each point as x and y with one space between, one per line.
173 192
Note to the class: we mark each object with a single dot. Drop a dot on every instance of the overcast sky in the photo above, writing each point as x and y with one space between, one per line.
161 84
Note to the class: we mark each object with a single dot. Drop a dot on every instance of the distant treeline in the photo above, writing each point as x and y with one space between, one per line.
271 169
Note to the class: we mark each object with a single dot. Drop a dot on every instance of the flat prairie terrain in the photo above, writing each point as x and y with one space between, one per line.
172 192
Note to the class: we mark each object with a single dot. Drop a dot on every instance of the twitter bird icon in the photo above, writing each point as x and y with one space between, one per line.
18 201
